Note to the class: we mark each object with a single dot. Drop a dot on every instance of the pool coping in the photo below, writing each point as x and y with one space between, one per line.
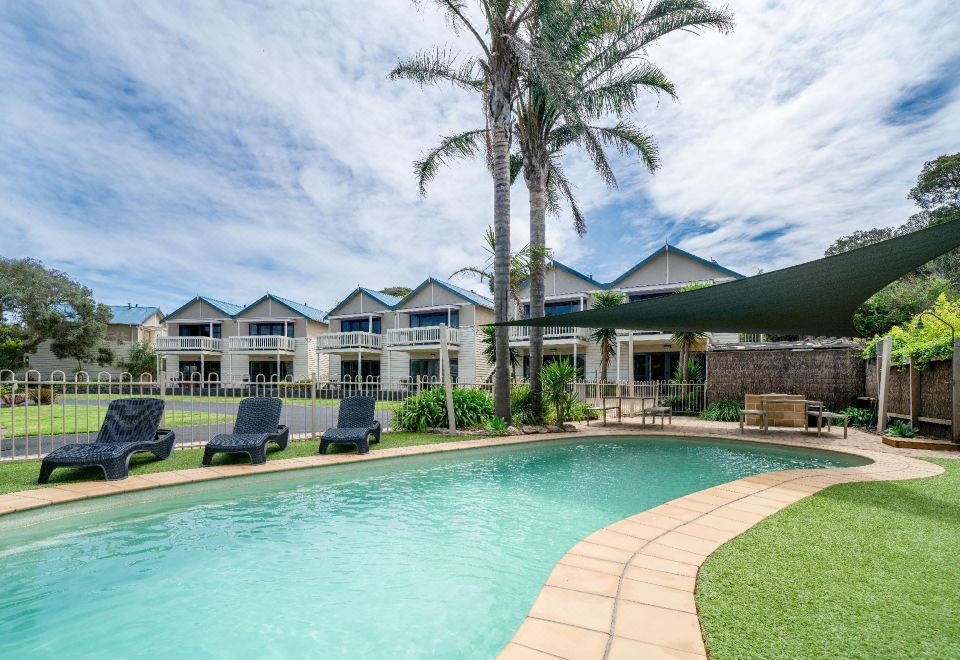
624 591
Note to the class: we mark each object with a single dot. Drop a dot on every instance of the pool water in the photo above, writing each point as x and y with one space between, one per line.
432 556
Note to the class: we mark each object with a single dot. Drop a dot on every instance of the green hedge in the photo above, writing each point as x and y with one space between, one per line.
428 410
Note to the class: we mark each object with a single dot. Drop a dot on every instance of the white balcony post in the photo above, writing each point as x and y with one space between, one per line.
445 372
630 369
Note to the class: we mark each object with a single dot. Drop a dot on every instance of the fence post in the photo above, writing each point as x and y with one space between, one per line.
884 382
313 406
955 391
447 383
914 395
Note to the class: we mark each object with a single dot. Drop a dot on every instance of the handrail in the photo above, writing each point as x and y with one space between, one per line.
189 344
261 343
559 332
414 336
355 339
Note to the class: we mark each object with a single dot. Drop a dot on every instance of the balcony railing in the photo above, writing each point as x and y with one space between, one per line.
522 333
335 341
188 344
421 336
640 333
261 343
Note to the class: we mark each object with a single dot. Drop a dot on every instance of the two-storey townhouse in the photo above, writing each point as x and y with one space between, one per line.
375 335
641 355
272 338
128 325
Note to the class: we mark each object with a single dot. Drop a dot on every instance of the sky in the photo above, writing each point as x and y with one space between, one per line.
161 149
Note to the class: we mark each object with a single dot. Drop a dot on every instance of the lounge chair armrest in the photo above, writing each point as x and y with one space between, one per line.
283 432
377 430
164 434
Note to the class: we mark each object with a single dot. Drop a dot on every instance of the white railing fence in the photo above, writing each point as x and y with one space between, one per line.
38 415
189 344
427 335
261 343
346 340
522 333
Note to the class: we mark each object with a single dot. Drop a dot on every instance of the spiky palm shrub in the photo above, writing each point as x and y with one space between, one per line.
556 379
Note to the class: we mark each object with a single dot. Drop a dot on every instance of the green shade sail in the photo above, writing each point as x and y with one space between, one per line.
816 298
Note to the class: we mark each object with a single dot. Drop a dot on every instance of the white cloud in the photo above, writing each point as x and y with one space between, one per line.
167 148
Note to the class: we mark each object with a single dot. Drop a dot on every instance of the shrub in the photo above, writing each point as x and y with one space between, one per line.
858 416
901 429
557 377
723 411
428 410
43 395
497 426
921 345
521 407
580 410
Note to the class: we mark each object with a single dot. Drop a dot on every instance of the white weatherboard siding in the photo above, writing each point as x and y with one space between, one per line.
47 363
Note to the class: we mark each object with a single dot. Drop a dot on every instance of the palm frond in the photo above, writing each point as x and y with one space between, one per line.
627 139
431 67
617 94
463 145
558 181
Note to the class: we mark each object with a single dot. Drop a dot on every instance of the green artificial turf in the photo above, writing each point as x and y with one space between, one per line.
58 419
866 570
22 475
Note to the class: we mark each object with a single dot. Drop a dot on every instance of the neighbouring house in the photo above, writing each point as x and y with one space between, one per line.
271 338
376 335
641 355
128 325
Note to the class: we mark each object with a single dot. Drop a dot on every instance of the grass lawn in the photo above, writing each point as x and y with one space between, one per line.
80 419
856 571
22 475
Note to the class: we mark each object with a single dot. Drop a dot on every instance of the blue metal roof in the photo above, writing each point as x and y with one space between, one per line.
303 309
131 314
475 298
384 298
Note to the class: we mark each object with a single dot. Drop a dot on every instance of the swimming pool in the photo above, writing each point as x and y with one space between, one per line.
435 555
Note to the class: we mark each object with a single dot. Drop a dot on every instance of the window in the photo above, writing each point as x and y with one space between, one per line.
429 319
270 329
430 368
199 330
270 370
555 308
370 368
654 366
190 367
361 325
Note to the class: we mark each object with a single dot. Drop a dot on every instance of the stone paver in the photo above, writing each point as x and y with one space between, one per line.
627 590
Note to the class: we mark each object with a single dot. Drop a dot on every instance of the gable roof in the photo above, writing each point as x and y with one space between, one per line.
384 299
230 309
302 309
466 294
672 248
573 271
132 314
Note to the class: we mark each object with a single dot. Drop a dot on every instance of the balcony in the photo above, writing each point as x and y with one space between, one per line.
189 345
560 334
261 343
413 337
656 335
349 341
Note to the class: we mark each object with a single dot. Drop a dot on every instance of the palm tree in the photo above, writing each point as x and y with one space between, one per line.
489 340
606 337
687 341
601 53
495 70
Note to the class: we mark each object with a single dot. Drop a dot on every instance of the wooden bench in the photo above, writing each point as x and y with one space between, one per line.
830 416
603 408
664 412
762 414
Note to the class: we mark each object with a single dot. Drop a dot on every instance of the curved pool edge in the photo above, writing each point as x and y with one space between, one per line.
627 590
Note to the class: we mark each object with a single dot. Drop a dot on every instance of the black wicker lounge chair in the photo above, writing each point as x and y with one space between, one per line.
131 426
258 423
355 425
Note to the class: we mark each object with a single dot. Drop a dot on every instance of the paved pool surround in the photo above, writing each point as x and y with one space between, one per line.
627 590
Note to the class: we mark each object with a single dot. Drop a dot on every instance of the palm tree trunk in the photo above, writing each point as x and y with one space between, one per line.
537 187
501 115
604 361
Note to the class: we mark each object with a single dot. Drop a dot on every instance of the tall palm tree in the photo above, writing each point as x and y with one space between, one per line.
606 337
495 71
600 49
488 339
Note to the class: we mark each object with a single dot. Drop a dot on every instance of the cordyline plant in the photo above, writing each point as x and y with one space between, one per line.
581 61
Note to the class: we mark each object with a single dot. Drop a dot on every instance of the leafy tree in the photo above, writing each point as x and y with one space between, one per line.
142 359
396 291
924 344
12 351
606 337
937 193
51 305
